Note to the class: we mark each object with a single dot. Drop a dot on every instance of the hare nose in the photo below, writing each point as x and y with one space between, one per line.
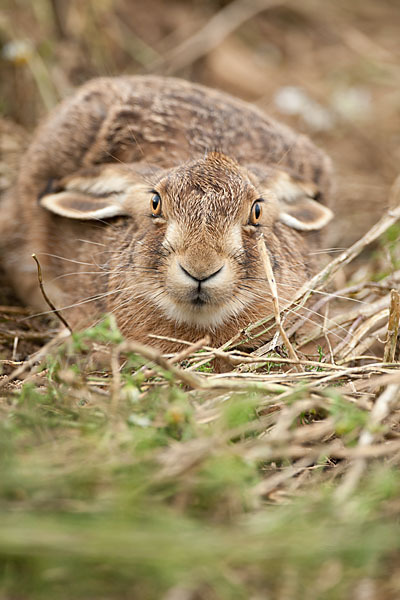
201 279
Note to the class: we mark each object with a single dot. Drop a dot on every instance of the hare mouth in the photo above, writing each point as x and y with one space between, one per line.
198 301
199 297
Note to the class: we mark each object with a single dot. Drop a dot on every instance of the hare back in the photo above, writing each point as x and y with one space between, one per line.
162 120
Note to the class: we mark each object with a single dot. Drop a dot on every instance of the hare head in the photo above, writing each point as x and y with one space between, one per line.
185 252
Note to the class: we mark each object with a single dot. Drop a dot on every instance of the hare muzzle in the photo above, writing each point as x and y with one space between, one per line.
200 280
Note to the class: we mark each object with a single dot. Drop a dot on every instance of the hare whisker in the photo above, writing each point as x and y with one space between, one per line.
81 302
309 319
78 262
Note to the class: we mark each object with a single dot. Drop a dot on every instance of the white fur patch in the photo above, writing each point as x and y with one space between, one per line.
173 235
322 216
101 185
208 316
235 238
62 204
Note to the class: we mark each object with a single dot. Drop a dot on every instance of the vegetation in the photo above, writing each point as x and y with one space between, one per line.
133 485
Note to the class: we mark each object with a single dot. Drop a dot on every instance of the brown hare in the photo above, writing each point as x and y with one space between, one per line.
143 196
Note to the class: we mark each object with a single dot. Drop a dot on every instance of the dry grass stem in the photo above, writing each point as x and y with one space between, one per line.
36 358
274 294
45 296
193 348
388 399
363 330
393 327
274 481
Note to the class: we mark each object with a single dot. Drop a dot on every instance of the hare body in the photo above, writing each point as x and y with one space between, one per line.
144 196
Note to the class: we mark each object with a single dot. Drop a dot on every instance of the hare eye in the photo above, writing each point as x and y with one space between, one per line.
155 205
256 212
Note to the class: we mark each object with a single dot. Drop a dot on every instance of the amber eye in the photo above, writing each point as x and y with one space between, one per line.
256 212
155 205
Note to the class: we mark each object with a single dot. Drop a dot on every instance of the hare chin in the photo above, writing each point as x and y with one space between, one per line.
207 316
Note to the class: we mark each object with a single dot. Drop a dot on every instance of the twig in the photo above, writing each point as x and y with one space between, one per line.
380 411
275 300
326 334
47 299
224 346
15 345
190 350
35 358
340 320
152 354
197 381
116 377
262 360
363 329
267 486
393 327
367 343
333 450
26 335
355 357
59 18
342 344
169 339
15 310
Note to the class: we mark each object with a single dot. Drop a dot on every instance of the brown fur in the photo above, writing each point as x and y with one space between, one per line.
209 157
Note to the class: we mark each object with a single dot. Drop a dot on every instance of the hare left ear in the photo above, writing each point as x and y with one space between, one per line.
90 195
298 203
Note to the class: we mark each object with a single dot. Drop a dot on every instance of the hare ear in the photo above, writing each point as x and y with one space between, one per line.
99 194
298 203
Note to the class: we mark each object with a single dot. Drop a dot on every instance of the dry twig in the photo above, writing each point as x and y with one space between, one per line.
274 294
380 410
45 296
393 327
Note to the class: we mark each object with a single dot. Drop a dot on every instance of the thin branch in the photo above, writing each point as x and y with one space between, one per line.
393 327
45 296
35 358
380 411
275 300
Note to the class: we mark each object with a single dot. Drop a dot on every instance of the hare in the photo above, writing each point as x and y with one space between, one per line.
144 196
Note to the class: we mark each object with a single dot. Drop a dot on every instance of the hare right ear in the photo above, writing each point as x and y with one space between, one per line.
298 201
96 194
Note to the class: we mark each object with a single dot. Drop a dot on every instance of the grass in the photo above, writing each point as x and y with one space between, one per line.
160 489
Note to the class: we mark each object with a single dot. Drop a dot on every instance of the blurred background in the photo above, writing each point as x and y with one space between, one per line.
330 69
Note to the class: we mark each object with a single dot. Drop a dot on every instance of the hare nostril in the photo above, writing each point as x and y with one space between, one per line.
200 279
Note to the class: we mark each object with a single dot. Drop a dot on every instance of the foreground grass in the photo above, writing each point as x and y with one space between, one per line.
131 489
